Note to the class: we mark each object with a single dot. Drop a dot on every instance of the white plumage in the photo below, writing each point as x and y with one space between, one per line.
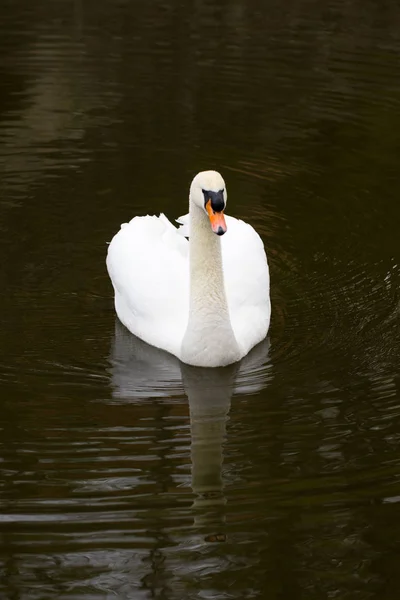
187 297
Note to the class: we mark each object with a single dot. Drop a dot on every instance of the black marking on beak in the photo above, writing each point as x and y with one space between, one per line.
216 199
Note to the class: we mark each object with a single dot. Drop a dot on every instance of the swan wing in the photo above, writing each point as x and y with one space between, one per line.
148 263
246 282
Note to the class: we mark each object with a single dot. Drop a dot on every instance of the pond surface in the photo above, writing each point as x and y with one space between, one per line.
123 473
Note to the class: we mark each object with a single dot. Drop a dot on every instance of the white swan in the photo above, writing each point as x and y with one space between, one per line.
205 300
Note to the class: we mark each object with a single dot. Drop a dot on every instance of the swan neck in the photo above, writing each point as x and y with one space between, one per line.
209 340
206 273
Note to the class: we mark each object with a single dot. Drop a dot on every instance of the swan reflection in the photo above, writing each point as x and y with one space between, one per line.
140 371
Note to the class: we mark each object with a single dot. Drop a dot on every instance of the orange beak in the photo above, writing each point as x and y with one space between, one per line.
217 219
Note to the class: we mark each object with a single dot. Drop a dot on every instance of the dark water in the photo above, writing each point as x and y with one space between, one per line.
123 474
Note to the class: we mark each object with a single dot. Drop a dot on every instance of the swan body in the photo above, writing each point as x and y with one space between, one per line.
204 300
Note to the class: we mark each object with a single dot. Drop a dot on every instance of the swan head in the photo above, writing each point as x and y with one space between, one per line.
208 192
